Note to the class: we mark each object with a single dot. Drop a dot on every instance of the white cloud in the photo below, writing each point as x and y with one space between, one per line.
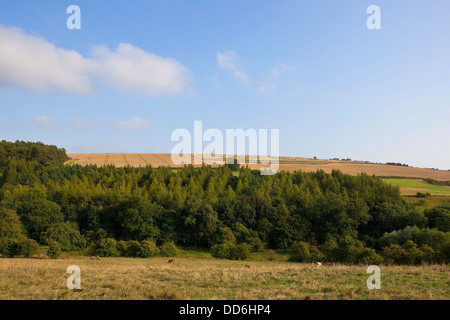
42 121
33 63
230 60
132 69
88 123
280 68
276 79
134 123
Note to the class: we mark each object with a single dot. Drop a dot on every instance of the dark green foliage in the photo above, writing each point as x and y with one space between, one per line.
66 234
369 256
343 218
423 194
438 218
147 249
425 239
408 253
316 254
28 247
168 249
236 243
37 213
132 248
223 251
200 221
247 236
299 252
45 155
135 249
104 248
235 166
20 161
54 250
231 251
18 247
224 235
394 254
10 226
122 248
346 250
241 251
12 239
133 219
397 164
254 244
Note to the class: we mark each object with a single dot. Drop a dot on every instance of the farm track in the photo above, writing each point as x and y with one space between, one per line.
125 159
143 159
164 161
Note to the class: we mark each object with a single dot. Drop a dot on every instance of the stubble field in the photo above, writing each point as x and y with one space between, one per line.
286 164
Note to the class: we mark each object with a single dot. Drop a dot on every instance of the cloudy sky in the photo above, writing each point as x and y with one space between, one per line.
138 70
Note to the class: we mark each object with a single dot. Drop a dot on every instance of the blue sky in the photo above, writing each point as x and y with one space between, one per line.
138 70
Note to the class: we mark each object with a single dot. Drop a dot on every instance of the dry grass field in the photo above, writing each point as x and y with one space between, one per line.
286 163
209 279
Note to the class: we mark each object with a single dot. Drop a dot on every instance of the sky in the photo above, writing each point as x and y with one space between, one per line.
138 70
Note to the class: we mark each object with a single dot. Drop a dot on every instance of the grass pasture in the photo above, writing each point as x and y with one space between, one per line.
200 278
71 162
412 186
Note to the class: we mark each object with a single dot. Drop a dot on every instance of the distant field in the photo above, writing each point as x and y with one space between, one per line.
428 202
412 186
286 163
206 278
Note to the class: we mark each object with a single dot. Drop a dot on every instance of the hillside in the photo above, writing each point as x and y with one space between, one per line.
290 164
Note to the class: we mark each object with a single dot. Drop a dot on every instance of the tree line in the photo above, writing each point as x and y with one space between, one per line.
129 211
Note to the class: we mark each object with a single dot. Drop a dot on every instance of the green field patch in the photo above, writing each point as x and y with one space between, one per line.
420 185
71 162
199 253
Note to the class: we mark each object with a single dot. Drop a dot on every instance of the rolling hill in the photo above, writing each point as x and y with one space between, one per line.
286 164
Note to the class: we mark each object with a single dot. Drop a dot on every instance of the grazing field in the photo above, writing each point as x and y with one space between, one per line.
412 186
200 278
286 163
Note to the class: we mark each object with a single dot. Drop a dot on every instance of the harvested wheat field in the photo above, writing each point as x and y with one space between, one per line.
206 279
286 164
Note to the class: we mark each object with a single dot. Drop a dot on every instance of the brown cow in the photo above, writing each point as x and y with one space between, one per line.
171 261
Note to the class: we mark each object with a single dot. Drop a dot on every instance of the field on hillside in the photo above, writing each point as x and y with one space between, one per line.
428 202
206 279
286 163
412 186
